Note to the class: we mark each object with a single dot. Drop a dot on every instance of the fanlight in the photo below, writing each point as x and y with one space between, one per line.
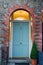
20 15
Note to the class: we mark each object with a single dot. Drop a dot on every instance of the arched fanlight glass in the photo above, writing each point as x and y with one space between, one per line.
20 15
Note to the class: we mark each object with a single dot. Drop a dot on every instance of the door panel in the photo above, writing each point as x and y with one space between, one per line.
25 34
20 39
16 33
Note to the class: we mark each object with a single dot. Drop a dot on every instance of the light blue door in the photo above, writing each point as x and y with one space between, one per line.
21 39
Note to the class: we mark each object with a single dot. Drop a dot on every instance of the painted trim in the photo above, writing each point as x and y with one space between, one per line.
11 41
30 39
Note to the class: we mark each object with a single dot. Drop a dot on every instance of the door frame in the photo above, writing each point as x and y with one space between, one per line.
11 41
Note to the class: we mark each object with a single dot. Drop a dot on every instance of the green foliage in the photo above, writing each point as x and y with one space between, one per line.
34 52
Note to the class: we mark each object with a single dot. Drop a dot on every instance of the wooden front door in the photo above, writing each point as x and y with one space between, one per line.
20 39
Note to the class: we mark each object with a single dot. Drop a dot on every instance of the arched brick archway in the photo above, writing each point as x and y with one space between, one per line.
31 11
11 10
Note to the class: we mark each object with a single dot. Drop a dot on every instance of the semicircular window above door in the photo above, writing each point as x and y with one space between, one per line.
20 15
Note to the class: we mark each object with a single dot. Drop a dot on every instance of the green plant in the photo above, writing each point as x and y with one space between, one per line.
34 51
